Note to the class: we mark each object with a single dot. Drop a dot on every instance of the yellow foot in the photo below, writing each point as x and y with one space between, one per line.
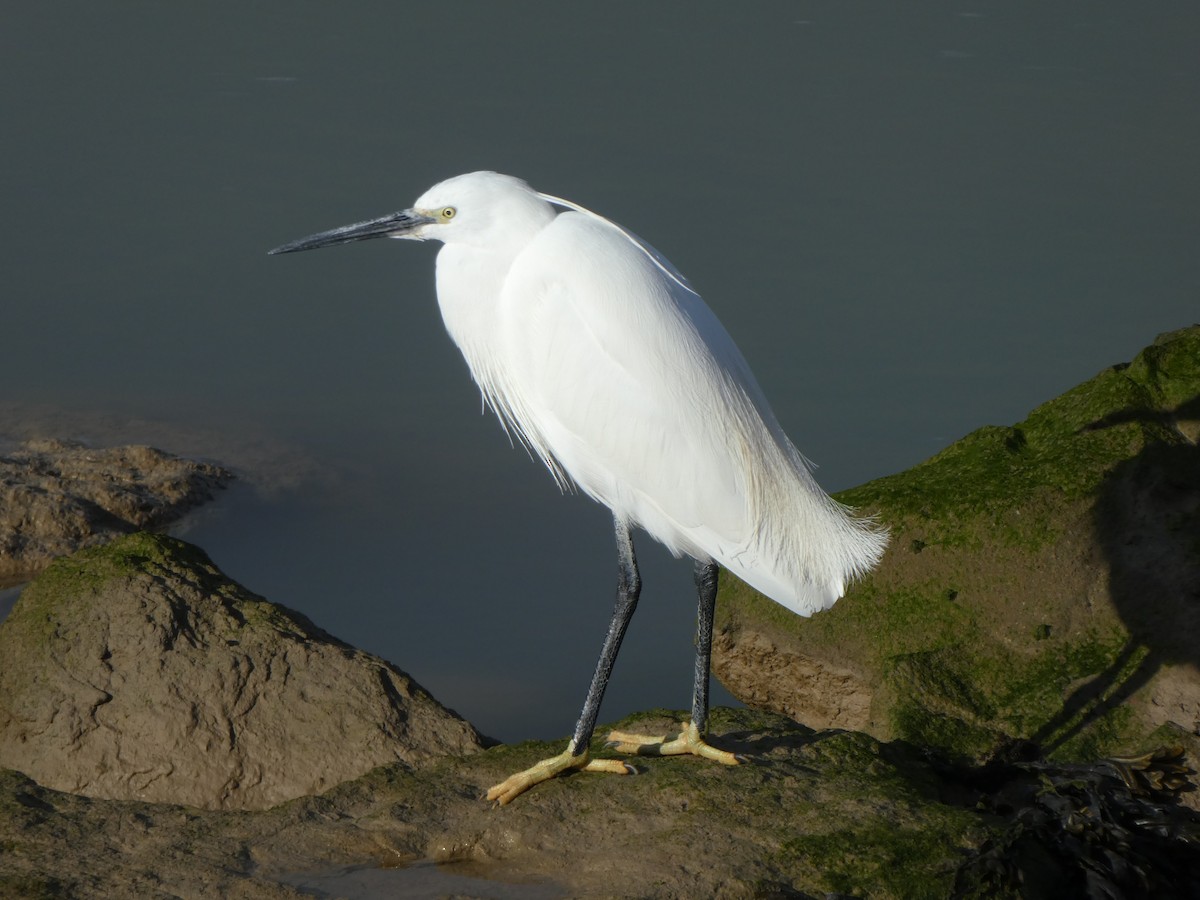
506 790
687 741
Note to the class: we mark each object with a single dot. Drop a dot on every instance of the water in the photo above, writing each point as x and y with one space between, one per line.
914 222
420 881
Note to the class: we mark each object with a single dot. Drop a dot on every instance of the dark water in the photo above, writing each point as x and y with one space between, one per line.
420 881
914 221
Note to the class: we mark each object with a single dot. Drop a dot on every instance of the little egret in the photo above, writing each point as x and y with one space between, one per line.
599 356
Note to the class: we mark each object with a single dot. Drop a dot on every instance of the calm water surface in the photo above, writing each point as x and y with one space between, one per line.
914 222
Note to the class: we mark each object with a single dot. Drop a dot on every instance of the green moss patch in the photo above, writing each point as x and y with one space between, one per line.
1037 577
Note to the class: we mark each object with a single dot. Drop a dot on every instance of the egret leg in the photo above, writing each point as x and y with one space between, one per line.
577 756
691 739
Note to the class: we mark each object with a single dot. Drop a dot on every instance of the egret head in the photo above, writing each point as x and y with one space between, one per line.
481 208
485 209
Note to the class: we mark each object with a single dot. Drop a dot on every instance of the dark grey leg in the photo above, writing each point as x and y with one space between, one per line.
706 588
691 739
629 586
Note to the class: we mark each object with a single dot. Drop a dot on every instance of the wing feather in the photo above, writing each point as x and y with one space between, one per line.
619 376
620 386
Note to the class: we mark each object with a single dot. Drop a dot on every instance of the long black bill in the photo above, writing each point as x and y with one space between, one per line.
397 224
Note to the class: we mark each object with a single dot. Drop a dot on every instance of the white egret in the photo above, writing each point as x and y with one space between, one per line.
600 357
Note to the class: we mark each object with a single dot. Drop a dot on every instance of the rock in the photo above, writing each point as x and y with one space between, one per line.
813 814
815 810
58 496
137 670
1042 584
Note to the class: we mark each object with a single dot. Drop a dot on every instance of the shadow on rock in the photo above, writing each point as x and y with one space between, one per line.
1147 523
1042 585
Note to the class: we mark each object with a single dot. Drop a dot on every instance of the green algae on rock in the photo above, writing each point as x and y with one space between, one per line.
683 827
1043 583
809 813
57 496
137 670
813 813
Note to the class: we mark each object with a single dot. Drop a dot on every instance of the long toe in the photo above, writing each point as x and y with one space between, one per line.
504 792
687 741
641 744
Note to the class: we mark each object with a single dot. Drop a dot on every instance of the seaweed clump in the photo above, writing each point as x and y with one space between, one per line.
1108 830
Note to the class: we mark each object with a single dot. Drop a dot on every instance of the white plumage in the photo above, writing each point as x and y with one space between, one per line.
605 362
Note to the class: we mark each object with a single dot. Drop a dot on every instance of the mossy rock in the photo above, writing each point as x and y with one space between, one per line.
137 670
809 814
1042 582
806 813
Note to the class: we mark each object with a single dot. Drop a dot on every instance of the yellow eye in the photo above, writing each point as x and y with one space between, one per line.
448 212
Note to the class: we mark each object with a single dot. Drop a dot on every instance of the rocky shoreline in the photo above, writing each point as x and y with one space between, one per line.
57 496
146 674
1009 704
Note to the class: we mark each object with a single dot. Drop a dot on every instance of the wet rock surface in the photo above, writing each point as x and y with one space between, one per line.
682 828
57 496
813 814
1042 584
137 670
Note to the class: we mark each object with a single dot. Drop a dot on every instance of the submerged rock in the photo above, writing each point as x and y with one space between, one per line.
58 496
1042 584
137 670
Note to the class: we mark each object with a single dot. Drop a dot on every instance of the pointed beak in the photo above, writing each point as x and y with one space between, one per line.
395 225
